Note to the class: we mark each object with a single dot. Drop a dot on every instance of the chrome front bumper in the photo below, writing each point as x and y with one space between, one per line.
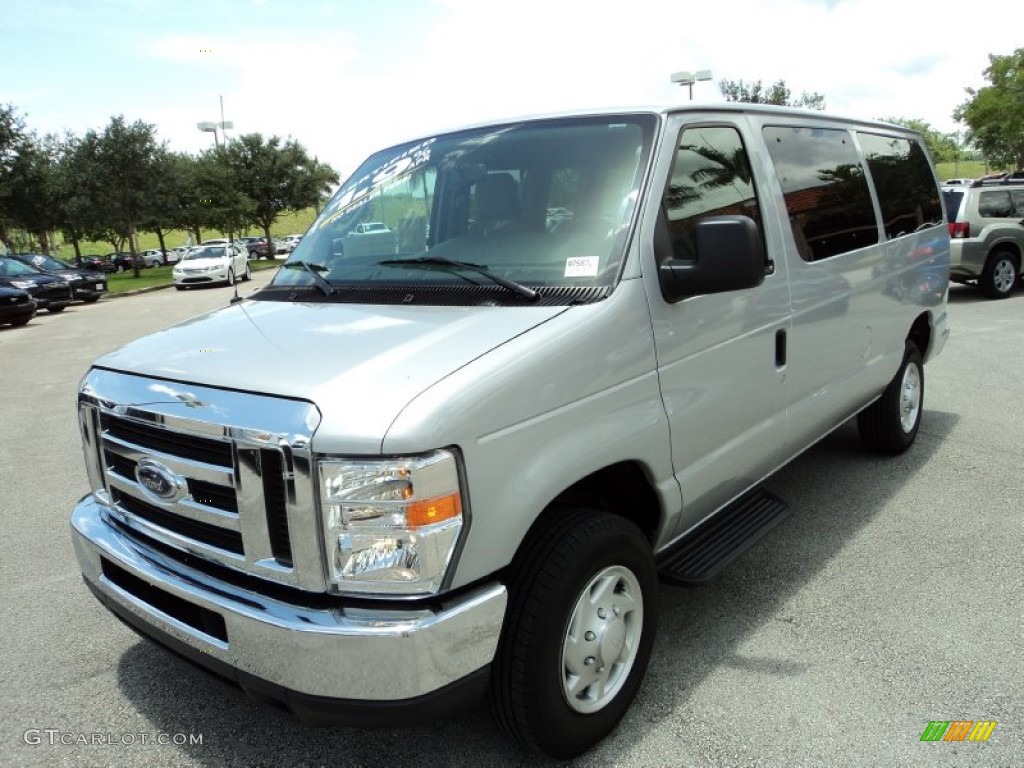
349 652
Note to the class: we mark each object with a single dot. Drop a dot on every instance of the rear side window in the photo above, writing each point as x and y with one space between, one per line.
995 204
710 177
953 198
903 180
825 189
1017 195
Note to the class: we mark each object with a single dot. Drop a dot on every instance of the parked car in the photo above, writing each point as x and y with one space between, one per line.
208 264
958 182
290 241
256 246
50 292
97 264
986 224
122 261
17 307
86 284
155 257
467 461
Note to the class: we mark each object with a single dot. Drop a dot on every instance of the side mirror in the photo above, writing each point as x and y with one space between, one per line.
729 256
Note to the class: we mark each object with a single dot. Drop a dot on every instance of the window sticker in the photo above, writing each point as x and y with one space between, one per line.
582 266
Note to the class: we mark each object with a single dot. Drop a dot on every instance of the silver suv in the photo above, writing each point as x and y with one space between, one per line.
986 224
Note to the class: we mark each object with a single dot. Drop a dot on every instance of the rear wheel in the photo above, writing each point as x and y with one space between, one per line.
56 307
580 625
891 423
1000 276
248 273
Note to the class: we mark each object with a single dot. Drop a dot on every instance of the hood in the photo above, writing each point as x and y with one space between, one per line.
211 261
360 364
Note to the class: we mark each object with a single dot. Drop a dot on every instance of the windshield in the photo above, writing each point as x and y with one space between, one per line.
14 268
544 204
207 252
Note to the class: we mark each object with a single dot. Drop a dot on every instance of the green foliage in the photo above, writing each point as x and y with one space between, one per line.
777 93
102 189
995 113
942 147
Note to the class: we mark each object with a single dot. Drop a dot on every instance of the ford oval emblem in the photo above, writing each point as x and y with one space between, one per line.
159 482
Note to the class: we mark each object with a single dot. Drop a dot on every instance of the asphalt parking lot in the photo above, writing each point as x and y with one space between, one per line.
892 596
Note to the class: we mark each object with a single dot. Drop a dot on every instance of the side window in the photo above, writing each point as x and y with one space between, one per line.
825 190
1018 202
995 204
903 180
710 177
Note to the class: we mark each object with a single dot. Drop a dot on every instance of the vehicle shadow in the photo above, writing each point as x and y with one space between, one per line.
834 490
971 294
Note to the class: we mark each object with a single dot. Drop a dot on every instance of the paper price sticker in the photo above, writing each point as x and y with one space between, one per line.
582 266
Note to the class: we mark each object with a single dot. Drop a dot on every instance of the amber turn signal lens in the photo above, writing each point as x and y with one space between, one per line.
430 511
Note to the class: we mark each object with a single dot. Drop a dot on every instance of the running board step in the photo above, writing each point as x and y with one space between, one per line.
711 546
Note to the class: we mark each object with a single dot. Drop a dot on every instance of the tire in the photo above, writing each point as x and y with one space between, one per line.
890 424
90 299
1000 276
56 308
247 276
231 277
582 591
179 287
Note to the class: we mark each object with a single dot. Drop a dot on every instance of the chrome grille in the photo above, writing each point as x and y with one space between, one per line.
217 474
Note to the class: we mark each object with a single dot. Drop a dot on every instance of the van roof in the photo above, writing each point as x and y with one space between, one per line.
668 109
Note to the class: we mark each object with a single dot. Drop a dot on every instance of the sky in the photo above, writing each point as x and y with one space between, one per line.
348 77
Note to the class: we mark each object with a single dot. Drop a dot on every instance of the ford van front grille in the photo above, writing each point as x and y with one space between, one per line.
221 475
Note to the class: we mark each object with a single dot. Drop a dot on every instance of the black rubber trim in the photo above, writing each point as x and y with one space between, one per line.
315 710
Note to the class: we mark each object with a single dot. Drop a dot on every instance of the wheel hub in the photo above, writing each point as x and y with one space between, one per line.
602 639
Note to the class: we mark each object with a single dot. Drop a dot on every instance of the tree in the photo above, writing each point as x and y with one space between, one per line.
275 177
16 143
126 155
941 146
778 94
995 114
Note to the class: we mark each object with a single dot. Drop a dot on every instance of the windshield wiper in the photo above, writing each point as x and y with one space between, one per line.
441 261
314 270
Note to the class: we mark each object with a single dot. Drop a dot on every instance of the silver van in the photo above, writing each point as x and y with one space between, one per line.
456 465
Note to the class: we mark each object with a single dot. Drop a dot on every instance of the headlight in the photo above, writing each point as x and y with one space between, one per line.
390 526
23 284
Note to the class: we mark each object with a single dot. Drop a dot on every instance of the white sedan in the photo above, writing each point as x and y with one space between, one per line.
208 264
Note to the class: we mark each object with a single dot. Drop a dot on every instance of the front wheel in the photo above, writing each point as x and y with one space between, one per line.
56 307
890 424
580 625
231 277
1000 275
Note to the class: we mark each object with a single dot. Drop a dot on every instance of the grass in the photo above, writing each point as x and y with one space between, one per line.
123 282
967 169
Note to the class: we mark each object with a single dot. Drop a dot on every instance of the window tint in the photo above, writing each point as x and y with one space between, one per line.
903 180
995 204
1018 201
953 198
826 193
711 177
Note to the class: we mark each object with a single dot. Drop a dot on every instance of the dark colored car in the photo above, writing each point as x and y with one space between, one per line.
97 264
86 284
16 306
122 261
49 291
256 246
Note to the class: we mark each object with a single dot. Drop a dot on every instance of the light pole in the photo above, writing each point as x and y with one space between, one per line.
211 127
689 78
